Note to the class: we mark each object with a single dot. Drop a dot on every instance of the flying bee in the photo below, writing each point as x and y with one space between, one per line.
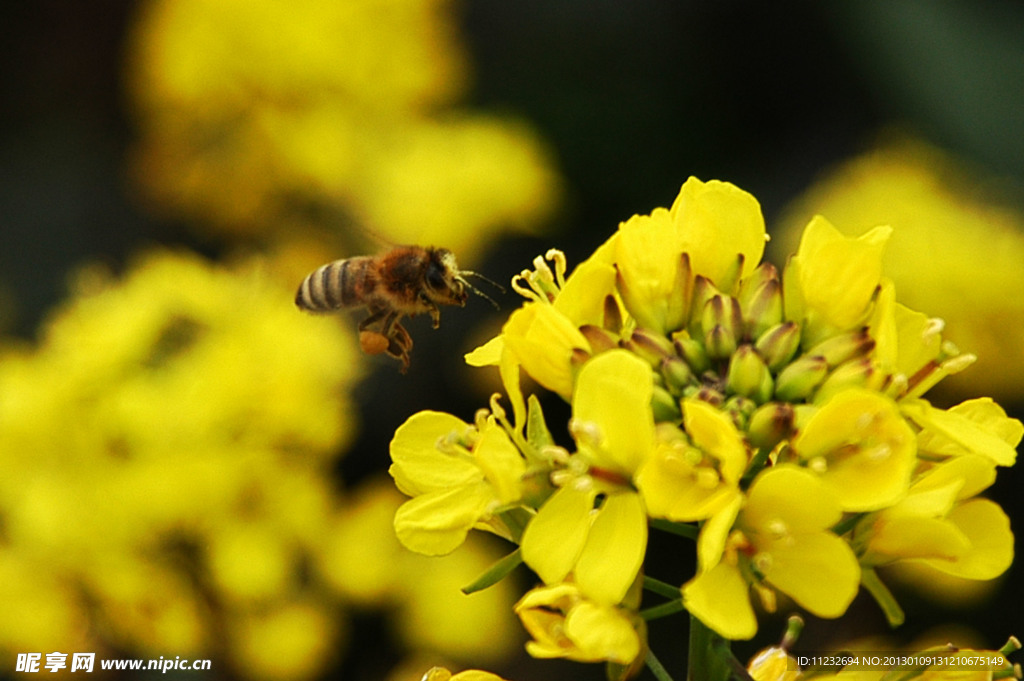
403 282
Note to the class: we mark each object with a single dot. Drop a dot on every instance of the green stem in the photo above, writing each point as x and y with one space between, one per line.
847 524
663 610
680 529
656 667
871 581
756 466
710 656
661 588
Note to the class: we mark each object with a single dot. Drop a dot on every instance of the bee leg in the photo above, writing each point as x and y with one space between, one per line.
402 337
399 340
432 309
376 316
399 345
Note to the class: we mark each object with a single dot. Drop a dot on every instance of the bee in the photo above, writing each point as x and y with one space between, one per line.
403 282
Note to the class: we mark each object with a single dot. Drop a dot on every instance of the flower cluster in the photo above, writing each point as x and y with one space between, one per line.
167 448
956 249
779 419
266 118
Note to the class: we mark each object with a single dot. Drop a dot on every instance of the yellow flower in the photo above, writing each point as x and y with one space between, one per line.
168 430
717 226
832 279
542 340
349 110
458 476
773 664
862 447
955 252
786 414
565 624
693 478
779 541
973 427
943 523
602 546
442 674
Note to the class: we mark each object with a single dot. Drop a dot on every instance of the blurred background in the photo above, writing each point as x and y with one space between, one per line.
192 468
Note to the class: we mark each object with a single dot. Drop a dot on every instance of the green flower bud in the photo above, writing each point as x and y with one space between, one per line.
664 406
846 346
722 323
857 373
740 409
760 300
599 339
749 376
771 424
778 344
799 380
649 346
677 374
692 351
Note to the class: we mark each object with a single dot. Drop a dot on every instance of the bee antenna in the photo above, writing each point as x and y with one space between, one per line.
462 275
483 278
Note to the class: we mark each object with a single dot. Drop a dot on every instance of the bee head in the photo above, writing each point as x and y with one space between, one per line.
444 283
447 283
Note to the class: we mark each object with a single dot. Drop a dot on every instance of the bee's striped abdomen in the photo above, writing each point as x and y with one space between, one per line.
330 287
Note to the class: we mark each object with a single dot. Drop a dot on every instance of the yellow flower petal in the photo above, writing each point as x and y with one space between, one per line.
653 282
714 433
987 527
488 354
554 539
602 633
614 550
718 221
418 466
542 340
442 674
582 298
908 536
500 461
719 598
838 275
437 523
613 394
715 533
790 498
817 570
976 426
862 447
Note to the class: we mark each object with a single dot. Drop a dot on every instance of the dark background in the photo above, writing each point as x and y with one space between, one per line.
632 96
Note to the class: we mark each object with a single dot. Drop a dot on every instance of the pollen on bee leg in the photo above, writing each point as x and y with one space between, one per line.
373 343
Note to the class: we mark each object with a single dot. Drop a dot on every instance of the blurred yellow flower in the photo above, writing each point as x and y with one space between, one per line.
168 432
955 250
363 561
258 117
